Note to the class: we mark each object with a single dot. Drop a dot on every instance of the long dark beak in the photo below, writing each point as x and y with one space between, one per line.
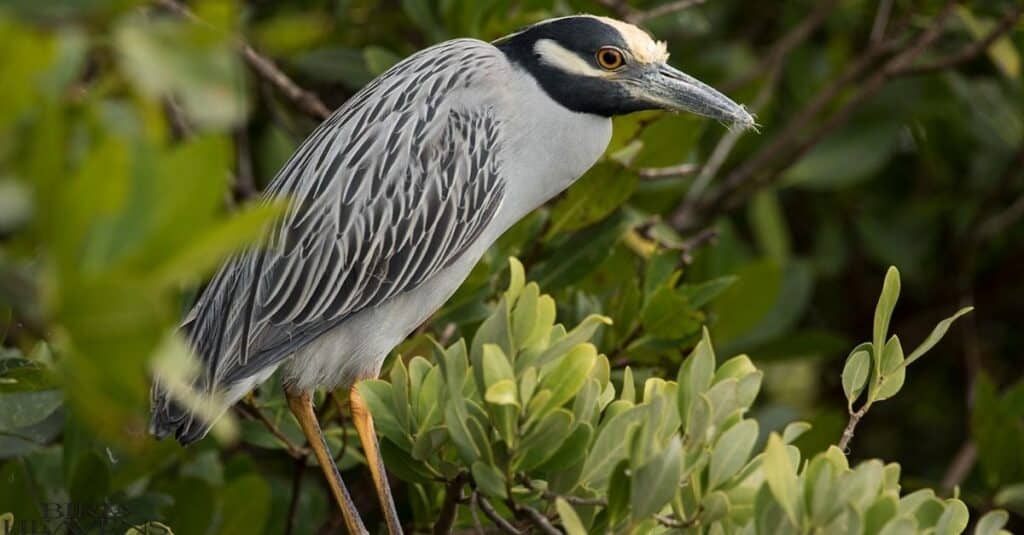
675 90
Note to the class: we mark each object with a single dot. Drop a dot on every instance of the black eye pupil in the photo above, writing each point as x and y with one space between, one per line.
610 58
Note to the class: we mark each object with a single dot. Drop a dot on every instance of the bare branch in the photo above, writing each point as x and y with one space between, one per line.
851 426
882 15
961 466
307 101
490 513
537 519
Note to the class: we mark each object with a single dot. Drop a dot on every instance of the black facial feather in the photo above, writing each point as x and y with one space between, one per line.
584 36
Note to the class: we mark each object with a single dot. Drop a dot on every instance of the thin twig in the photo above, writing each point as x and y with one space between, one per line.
1002 220
961 466
1005 24
638 17
490 513
881 22
851 425
452 493
306 101
253 411
619 7
721 153
778 51
293 504
537 519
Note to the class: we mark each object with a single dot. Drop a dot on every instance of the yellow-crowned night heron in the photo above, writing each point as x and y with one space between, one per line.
398 194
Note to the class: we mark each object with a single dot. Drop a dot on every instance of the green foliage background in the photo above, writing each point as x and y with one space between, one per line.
132 140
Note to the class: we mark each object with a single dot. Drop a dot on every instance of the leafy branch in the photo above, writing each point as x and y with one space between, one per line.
879 366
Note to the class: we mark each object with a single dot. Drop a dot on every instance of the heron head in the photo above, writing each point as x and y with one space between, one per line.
607 67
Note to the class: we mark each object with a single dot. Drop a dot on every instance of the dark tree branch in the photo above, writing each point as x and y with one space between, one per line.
452 494
961 466
293 504
968 53
306 101
490 513
789 146
536 518
785 44
851 426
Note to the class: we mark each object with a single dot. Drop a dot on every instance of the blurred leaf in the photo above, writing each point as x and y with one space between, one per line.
597 194
769 225
22 409
847 157
245 505
991 522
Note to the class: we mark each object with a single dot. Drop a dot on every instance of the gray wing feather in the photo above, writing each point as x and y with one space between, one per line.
389 190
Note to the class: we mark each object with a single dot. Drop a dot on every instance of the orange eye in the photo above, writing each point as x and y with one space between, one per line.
610 58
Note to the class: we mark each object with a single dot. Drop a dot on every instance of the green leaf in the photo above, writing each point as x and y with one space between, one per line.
855 375
992 522
496 366
1011 497
731 452
489 480
379 59
566 378
245 505
954 519
603 189
936 335
502 393
881 511
516 279
581 333
703 293
667 314
570 520
22 409
794 430
611 445
544 440
894 373
781 476
200 257
900 526
768 223
883 310
659 479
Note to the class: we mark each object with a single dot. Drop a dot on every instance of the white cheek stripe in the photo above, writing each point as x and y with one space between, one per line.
559 57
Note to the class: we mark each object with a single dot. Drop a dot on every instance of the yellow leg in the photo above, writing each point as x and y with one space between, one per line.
368 437
302 407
